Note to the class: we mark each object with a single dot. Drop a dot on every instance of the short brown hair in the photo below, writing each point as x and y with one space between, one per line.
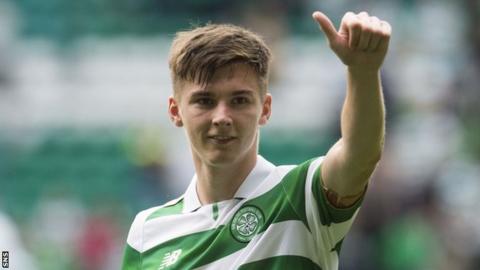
197 54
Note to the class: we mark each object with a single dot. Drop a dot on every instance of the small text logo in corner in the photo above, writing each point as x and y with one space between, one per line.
5 259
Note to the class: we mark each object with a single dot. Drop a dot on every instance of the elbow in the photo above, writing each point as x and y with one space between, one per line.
366 162
364 167
374 155
377 156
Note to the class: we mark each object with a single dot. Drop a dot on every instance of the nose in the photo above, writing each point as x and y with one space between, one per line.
221 115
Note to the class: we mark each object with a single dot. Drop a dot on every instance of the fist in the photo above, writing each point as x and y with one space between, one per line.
361 41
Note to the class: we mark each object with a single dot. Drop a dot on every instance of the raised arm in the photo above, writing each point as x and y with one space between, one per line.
361 44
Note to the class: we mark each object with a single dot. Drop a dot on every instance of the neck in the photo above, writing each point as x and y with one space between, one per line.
219 183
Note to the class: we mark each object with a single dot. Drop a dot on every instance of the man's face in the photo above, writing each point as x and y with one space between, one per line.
221 119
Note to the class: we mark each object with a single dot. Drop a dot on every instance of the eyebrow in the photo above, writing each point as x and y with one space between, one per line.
201 93
205 93
243 92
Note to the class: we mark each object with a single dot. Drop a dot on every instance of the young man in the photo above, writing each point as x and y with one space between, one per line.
240 211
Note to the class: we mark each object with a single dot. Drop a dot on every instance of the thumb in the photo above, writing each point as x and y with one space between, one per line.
325 24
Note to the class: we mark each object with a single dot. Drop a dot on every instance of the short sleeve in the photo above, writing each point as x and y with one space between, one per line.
328 224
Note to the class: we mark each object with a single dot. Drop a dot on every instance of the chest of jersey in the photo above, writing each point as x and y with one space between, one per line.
230 235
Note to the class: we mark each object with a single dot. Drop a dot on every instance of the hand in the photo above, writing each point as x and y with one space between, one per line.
361 42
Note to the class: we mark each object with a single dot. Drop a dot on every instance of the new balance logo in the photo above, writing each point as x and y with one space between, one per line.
170 259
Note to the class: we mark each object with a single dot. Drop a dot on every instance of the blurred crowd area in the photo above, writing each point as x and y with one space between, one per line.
85 141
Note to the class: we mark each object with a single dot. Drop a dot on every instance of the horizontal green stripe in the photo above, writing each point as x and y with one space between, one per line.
328 213
282 262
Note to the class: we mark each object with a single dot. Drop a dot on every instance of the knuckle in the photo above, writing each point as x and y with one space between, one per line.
386 25
375 21
355 25
363 14
349 14
368 28
385 35
378 33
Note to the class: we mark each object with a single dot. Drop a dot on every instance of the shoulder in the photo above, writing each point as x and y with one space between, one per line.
294 179
303 171
134 238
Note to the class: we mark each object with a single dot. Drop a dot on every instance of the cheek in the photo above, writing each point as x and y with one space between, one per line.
195 126
250 124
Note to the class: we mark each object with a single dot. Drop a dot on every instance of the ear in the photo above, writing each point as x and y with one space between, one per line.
266 110
174 112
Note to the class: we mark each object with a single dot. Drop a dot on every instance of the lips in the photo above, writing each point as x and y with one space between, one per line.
221 139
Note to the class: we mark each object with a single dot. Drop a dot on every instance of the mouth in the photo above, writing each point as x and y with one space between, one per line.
221 139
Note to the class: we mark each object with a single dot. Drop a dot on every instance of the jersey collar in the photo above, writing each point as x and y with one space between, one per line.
261 170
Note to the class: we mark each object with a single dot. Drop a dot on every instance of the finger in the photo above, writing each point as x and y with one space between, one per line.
351 28
326 25
363 15
366 31
376 35
355 32
385 36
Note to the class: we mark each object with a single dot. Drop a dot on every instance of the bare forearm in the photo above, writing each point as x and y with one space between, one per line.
363 117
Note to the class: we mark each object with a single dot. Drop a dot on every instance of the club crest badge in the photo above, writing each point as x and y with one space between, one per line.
246 223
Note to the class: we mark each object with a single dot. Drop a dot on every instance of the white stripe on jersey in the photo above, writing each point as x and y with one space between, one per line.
272 180
159 230
284 238
135 235
310 203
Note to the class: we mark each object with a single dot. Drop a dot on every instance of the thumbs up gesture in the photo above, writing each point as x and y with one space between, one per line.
361 42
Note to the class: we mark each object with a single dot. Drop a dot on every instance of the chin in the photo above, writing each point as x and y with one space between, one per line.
222 159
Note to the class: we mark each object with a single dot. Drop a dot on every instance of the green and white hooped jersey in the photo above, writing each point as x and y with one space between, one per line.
278 219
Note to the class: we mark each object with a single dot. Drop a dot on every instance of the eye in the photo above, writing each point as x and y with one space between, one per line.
240 100
204 101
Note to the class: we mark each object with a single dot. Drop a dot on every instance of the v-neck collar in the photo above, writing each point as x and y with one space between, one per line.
261 170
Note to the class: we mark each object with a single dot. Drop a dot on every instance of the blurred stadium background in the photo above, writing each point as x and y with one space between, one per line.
85 141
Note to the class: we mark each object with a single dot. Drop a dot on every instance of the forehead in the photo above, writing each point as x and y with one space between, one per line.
226 80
